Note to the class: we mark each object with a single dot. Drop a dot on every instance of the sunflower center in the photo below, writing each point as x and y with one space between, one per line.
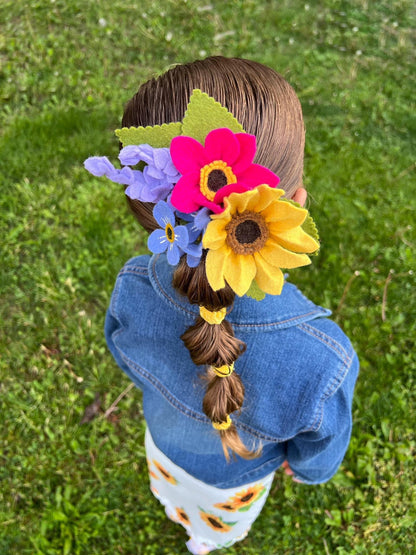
170 234
247 497
215 176
215 522
247 233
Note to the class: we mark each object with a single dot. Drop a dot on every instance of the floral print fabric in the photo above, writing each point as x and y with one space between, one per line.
212 516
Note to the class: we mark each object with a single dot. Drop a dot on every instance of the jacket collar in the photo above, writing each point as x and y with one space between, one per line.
289 309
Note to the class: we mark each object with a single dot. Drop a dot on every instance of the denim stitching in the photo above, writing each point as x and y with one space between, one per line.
331 388
334 345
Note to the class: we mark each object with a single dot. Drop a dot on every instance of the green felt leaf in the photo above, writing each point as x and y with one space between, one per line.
308 225
158 136
255 292
205 114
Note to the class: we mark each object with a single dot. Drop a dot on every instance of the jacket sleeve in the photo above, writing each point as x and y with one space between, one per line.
113 326
315 456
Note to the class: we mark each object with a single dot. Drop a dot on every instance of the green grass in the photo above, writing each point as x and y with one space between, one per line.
66 69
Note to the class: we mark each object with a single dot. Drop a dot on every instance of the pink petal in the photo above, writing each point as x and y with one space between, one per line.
258 175
228 189
247 152
203 201
222 144
185 193
187 155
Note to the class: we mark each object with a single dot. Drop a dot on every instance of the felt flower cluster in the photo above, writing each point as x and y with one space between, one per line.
151 184
210 195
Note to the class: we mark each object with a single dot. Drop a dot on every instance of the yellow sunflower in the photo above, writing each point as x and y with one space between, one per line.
215 522
167 475
253 238
182 516
242 499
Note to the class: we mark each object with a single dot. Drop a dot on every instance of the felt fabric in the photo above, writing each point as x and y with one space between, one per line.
204 114
158 136
173 240
224 151
271 239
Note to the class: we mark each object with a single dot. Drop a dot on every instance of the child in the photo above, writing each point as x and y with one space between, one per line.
235 383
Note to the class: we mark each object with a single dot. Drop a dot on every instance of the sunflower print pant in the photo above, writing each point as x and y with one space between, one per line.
212 516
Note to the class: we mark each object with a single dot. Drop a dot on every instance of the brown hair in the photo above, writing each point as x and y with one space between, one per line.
267 107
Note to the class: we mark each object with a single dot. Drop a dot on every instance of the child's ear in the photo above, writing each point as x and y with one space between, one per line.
300 196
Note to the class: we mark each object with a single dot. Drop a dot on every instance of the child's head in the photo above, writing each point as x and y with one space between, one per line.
261 100
267 107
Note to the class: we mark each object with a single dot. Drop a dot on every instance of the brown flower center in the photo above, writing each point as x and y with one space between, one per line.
247 497
247 232
215 176
216 180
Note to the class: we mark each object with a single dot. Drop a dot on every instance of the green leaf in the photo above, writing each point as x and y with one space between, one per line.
255 292
158 136
205 114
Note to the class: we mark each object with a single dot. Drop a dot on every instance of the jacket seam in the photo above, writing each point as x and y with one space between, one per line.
326 339
333 385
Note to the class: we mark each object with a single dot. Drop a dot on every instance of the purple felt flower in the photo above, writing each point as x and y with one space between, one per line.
153 184
172 239
101 165
158 177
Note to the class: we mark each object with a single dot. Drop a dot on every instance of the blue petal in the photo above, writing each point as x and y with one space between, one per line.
202 218
194 250
181 236
192 261
157 241
163 214
173 254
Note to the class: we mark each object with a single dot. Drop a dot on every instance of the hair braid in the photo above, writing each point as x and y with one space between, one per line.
214 345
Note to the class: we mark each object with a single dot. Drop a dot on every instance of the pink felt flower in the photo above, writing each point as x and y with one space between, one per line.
214 171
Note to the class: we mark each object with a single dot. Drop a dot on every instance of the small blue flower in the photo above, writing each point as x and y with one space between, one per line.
172 239
198 222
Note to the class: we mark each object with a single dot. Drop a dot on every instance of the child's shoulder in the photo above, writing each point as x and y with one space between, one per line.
136 265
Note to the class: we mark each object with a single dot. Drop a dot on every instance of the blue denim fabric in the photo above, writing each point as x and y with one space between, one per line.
299 372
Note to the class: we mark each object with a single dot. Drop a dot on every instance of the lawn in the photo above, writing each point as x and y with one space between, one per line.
71 485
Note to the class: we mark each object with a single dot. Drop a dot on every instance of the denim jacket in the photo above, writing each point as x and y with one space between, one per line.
299 372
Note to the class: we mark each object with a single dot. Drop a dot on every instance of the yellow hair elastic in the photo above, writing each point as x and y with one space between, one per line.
223 371
214 317
223 425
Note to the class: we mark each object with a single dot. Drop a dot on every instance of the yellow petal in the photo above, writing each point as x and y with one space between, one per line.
237 202
284 214
293 239
268 278
277 256
266 196
215 234
239 272
214 267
